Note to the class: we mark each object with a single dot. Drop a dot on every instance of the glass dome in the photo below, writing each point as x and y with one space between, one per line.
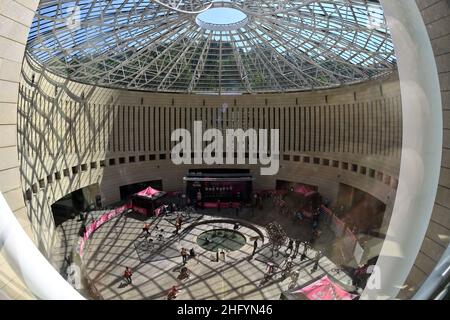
279 46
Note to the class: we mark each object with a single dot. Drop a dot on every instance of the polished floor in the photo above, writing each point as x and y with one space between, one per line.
156 267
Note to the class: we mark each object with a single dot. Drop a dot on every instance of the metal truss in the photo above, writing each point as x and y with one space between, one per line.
160 46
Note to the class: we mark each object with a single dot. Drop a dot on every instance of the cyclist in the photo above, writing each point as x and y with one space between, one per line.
145 229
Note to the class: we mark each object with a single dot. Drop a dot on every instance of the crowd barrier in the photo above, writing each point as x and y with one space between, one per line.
91 228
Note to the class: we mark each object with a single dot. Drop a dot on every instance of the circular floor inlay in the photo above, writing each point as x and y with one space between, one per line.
214 240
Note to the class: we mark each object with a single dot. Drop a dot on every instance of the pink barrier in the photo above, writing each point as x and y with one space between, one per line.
98 223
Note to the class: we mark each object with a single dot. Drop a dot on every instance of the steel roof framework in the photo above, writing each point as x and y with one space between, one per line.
148 45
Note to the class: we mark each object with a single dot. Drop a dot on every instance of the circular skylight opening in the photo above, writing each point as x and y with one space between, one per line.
222 19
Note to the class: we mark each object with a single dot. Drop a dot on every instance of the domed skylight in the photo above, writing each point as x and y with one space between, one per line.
235 46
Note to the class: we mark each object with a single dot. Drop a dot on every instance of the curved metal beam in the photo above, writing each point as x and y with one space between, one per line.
175 6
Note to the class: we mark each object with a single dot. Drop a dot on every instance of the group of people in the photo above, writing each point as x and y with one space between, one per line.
258 201
146 233
178 224
285 267
290 247
184 272
293 247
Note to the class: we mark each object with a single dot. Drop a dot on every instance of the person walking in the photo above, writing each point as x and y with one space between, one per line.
184 274
179 220
288 264
184 255
200 201
172 293
290 246
316 261
145 230
255 246
192 253
178 224
294 278
305 251
297 247
82 230
127 275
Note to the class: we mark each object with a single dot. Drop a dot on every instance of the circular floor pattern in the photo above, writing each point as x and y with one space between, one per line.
155 270
217 239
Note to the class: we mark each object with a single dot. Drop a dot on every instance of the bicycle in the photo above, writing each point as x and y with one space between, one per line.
146 245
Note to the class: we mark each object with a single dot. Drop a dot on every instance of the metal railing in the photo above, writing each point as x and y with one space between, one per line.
436 286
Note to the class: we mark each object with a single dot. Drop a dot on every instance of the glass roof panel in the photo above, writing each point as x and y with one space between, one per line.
147 45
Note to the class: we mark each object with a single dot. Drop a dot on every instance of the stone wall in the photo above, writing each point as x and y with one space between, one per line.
73 135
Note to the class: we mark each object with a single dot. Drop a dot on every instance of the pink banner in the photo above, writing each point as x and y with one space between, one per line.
325 289
90 229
